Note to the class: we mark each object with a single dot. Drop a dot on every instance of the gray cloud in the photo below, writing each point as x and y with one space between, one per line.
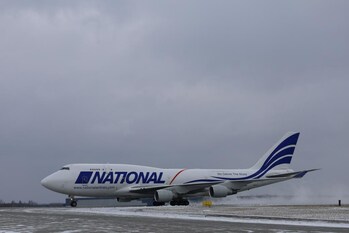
196 84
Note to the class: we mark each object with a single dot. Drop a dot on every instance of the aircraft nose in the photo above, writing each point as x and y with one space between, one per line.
48 182
45 182
53 182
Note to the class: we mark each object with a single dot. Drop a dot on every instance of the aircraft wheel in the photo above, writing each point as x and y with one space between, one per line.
157 203
73 203
173 203
179 202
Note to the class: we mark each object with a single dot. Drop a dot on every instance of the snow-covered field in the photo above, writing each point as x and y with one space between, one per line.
193 218
324 216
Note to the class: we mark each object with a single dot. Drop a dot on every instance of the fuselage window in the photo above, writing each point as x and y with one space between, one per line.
65 168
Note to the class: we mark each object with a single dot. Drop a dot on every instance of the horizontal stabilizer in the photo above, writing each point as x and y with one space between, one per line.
298 174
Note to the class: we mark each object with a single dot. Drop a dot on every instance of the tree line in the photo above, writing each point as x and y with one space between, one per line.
27 204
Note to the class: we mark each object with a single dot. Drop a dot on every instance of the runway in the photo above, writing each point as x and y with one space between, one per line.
177 219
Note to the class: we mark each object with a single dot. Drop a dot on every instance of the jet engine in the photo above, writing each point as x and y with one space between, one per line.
163 195
220 191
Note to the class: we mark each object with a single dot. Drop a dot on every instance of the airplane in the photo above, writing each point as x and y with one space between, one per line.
129 182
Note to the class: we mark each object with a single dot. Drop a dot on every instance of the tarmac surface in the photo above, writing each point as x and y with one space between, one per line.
177 219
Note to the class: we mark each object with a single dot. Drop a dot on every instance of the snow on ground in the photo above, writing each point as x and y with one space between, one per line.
321 216
193 218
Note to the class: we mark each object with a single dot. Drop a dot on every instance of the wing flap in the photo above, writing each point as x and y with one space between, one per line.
147 189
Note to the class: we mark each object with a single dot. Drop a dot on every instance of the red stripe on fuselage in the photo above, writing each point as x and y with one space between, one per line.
176 175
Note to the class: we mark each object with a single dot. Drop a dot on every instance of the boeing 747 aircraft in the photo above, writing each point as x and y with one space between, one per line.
129 182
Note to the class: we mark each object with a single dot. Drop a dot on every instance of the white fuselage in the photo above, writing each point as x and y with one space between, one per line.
116 180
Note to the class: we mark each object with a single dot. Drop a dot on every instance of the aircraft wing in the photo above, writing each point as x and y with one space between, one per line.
236 185
147 189
181 188
184 189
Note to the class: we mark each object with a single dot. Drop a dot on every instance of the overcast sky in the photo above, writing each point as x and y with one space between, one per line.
194 84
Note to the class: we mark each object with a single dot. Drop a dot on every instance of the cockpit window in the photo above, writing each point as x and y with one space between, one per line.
65 168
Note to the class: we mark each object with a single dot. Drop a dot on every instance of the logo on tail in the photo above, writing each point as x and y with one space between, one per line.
279 155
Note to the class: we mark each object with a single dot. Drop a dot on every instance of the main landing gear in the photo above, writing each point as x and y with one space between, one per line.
184 202
73 202
158 203
179 202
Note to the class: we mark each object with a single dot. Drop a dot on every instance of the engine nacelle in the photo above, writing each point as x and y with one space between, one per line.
163 195
220 191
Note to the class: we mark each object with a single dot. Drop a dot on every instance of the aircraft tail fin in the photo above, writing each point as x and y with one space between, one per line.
278 156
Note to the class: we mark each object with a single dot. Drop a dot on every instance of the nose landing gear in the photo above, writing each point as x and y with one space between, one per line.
73 202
